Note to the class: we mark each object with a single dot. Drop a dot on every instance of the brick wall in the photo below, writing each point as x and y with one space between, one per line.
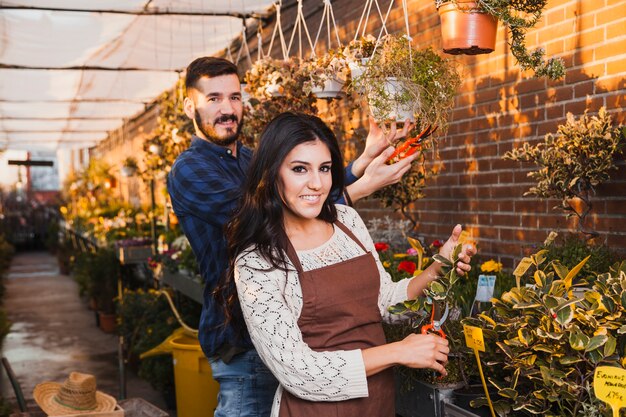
499 108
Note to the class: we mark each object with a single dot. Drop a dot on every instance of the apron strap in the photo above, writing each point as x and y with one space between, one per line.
293 255
350 234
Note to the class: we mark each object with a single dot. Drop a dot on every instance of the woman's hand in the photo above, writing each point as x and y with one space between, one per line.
465 257
424 351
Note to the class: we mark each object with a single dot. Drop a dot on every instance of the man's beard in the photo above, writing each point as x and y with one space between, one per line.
211 134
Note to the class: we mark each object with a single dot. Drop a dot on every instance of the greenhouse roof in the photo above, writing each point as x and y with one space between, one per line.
74 70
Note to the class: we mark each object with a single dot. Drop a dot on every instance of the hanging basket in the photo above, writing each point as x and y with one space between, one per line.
389 102
332 88
464 30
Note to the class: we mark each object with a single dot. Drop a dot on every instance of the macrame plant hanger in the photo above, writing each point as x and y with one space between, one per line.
299 25
328 17
244 46
277 30
361 28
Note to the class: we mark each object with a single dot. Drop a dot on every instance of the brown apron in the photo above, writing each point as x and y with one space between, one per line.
340 312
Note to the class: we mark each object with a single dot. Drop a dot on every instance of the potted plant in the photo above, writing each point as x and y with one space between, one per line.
328 74
269 77
573 163
129 166
404 83
421 392
544 341
358 52
517 15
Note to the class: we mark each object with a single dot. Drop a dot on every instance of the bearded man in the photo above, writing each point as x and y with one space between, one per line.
205 185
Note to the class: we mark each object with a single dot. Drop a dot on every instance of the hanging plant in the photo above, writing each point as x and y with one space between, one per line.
327 74
399 78
573 162
518 16
171 136
275 86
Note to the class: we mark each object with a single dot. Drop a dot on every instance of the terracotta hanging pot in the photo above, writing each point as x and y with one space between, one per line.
464 30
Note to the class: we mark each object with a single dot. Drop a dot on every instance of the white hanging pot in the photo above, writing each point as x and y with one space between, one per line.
357 68
332 88
245 96
128 171
273 90
391 104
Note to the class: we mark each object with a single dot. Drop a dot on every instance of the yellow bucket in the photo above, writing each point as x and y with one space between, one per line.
196 390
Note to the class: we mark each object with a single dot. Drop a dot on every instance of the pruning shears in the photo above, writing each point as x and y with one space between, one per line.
411 145
436 320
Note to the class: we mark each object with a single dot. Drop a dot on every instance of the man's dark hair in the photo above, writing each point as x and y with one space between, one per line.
208 66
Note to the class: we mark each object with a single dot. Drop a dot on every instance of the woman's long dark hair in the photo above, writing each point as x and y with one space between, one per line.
258 222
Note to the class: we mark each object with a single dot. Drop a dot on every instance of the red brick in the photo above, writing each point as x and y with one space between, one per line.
609 13
591 37
583 89
619 65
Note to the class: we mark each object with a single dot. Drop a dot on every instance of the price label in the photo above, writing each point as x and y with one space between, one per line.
609 385
474 338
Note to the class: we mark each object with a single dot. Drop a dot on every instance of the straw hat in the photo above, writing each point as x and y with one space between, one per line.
76 395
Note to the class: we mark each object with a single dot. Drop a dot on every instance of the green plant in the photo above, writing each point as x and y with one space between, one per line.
96 274
146 321
544 338
424 82
331 65
520 16
573 162
171 136
275 86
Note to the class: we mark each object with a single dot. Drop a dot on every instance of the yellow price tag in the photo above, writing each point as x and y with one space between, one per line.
609 385
474 338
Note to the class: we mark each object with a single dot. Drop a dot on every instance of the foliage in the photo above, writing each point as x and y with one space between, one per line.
428 82
571 249
573 162
96 274
178 258
171 136
544 341
146 321
519 16
330 65
275 86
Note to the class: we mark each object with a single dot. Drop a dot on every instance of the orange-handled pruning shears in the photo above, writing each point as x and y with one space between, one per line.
411 145
435 325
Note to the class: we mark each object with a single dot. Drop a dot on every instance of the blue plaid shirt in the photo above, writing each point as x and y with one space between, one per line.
205 185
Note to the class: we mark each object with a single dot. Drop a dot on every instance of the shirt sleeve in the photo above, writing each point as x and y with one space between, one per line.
273 326
199 191
390 292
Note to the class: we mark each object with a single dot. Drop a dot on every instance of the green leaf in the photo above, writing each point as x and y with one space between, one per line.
525 336
437 287
540 278
569 360
551 302
560 269
508 393
595 342
565 315
578 341
442 259
609 346
522 306
540 257
623 298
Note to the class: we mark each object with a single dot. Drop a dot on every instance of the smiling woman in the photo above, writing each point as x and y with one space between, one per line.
309 284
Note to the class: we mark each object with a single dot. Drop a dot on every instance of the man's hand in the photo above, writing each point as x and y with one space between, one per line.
377 141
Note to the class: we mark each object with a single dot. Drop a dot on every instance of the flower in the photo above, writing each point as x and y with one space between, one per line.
399 255
411 252
386 264
437 243
491 266
407 266
381 246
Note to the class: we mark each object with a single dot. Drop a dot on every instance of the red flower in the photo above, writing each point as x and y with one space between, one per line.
437 243
407 266
381 246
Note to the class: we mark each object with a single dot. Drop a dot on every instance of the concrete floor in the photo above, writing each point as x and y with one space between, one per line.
54 333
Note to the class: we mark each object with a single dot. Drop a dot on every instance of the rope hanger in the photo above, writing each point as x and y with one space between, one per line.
327 14
298 26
